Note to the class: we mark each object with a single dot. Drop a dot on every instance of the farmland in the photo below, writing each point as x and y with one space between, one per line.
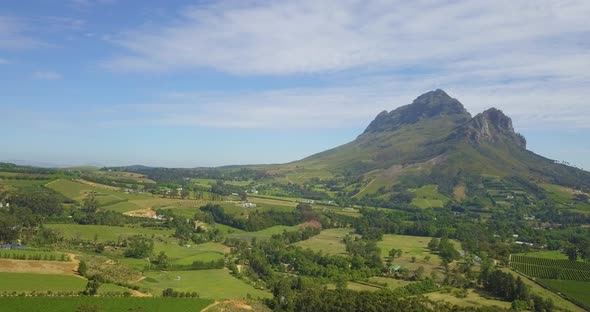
576 290
62 304
26 282
104 232
551 268
215 284
264 234
328 241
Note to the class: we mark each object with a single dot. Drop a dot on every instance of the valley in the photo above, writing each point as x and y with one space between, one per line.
429 207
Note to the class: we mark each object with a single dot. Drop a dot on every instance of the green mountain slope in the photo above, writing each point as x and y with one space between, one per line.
434 140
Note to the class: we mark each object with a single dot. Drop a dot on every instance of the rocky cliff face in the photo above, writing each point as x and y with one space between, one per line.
491 126
429 105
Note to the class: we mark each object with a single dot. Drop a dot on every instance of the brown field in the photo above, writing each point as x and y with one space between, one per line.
38 267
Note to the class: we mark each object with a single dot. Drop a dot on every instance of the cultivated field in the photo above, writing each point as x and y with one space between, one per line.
577 291
551 268
63 304
411 246
264 234
215 284
106 233
328 241
29 282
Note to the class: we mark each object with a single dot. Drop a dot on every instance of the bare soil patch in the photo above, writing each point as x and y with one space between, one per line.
38 267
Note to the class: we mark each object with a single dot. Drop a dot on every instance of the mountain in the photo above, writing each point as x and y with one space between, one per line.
434 140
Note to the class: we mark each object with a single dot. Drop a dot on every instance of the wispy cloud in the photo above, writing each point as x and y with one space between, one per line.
46 75
528 58
286 37
13 34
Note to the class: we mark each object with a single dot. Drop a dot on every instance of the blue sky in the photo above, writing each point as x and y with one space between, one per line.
205 83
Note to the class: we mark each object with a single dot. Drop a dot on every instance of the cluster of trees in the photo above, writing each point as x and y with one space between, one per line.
171 293
298 294
505 286
257 220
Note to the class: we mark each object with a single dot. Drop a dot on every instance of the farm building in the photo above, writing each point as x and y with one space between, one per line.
248 205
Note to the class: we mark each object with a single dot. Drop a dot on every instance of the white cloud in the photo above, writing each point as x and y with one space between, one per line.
529 58
47 75
13 35
288 37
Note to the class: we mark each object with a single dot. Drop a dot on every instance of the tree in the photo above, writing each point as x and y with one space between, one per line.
433 244
92 286
161 261
139 247
90 204
395 253
82 268
572 253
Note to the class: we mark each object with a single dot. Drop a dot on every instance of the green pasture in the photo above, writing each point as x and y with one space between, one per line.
107 233
264 234
328 241
214 284
26 282
62 304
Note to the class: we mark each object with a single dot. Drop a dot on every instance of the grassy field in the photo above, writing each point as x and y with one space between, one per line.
411 246
122 207
392 283
328 241
545 254
564 197
473 299
63 304
196 252
578 291
214 284
264 234
106 233
77 191
429 197
27 282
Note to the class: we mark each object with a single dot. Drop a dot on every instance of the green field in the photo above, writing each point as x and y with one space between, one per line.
214 284
70 304
121 207
264 234
328 241
187 255
546 293
411 246
429 197
31 254
576 290
106 233
473 299
25 282
77 191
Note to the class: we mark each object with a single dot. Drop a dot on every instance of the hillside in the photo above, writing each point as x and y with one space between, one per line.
435 140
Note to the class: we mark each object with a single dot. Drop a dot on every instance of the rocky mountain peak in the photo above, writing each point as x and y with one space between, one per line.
491 126
428 105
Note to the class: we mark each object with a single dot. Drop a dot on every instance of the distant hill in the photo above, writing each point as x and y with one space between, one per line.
434 140
432 147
